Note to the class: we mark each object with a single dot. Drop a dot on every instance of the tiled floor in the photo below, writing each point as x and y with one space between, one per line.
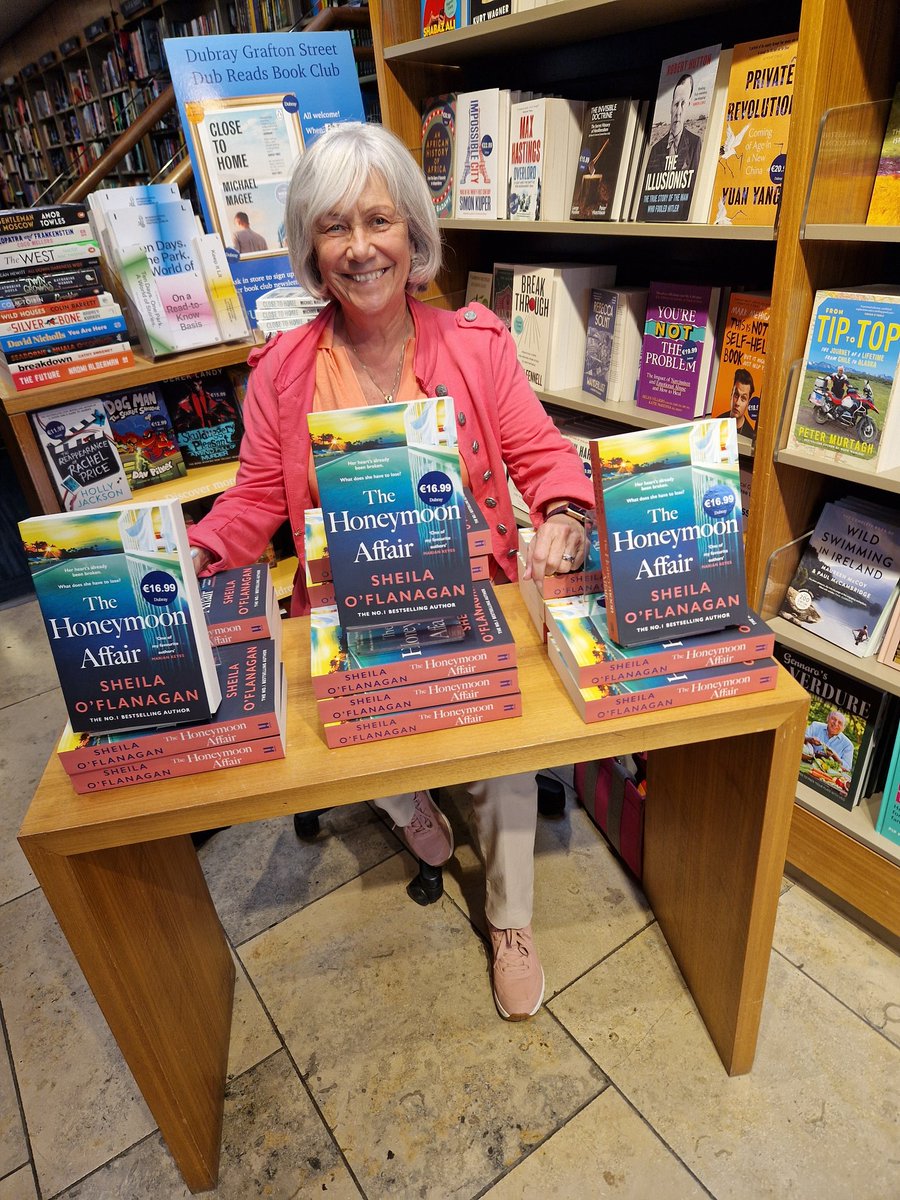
367 1058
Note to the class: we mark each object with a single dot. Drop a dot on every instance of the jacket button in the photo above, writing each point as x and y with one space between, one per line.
490 501
468 315
475 447
441 389
486 476
511 553
501 529
461 418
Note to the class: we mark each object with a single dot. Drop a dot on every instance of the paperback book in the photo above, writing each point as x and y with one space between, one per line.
144 436
671 540
612 354
438 150
677 349
884 206
414 696
742 359
423 720
888 820
240 605
602 171
479 286
81 455
206 417
482 151
544 140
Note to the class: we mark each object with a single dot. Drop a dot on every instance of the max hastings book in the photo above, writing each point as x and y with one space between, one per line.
121 607
249 104
671 541
392 500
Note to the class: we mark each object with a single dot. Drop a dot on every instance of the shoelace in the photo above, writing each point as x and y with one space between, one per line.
513 956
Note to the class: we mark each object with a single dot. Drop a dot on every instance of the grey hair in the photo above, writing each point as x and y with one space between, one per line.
332 175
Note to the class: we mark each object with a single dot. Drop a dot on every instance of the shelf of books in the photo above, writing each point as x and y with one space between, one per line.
621 229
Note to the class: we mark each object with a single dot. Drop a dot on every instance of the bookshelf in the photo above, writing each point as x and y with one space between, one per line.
847 55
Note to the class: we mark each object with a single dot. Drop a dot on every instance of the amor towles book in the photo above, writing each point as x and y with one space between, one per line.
392 501
144 436
677 349
884 206
438 148
81 454
847 577
671 540
742 359
121 607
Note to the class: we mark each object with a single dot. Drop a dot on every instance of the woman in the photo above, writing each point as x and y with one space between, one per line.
361 231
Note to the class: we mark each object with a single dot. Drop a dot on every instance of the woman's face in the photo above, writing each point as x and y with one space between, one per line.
364 253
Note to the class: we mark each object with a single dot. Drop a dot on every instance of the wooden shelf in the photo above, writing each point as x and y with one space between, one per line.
858 822
886 481
617 229
199 482
851 233
867 670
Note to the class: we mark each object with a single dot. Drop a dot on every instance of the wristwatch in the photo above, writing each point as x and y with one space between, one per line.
575 511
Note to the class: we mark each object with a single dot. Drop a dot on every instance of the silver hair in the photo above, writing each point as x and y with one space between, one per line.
332 175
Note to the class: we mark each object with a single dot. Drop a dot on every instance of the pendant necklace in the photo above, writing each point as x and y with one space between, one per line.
387 396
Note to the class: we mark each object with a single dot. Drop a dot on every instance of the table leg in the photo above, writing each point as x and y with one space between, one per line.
143 927
717 819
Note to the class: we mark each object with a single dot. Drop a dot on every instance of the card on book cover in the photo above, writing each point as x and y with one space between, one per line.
391 496
423 720
671 541
240 605
612 353
677 349
206 417
81 454
144 436
482 146
884 206
741 360
602 170
413 696
438 150
544 138
121 607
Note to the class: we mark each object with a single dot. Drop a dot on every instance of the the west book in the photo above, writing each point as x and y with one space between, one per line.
669 520
742 358
677 349
121 608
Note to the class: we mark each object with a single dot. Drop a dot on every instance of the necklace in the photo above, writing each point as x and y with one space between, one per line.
387 396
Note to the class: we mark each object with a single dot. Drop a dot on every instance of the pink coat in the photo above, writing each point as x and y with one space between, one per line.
468 355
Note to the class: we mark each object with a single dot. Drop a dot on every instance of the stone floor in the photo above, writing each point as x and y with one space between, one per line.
367 1058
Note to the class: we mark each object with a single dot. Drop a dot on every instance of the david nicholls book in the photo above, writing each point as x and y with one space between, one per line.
121 607
392 501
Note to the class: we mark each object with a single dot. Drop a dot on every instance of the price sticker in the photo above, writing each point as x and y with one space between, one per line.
435 488
160 588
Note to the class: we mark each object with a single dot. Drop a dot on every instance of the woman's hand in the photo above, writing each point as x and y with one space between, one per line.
558 546
200 558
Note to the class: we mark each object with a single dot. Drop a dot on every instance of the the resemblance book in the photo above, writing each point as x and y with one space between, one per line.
753 136
206 417
629 697
612 354
121 607
482 144
677 349
391 497
438 149
240 605
602 169
847 577
339 670
144 437
853 330
544 139
884 206
579 627
429 693
81 454
422 720
843 720
671 540
888 820
251 683
742 358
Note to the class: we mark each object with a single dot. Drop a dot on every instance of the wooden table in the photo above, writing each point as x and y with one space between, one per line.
121 874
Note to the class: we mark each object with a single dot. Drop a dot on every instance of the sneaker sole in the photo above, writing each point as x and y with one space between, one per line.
521 1016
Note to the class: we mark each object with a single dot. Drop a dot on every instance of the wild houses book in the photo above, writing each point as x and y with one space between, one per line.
753 136
121 607
857 333
144 436
612 353
671 541
206 417
482 146
240 605
847 577
81 454
544 136
391 496
742 359
884 206
438 149
602 169
677 349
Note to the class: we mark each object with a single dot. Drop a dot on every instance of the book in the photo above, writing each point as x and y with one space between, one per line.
81 455
604 158
482 146
338 669
544 138
391 496
144 437
414 696
18 362
438 150
887 822
502 292
15 300
884 205
240 605
478 532
612 352
630 697
487 10
44 339
18 222
579 628
44 316
52 235
742 360
856 331
206 417
684 97
47 258
479 286
677 349
227 306
836 749
422 720
121 607
671 540
56 283
39 377
889 651
753 134
588 580
847 577
442 16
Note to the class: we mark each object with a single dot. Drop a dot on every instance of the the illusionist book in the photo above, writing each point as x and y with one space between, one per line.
391 494
121 607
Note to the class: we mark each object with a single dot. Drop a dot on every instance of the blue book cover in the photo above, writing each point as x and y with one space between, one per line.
144 436
392 501
601 327
249 104
60 335
888 822
206 415
671 532
121 607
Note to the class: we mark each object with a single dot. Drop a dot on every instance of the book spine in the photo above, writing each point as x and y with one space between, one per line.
576 583
84 274
363 705
192 762
47 257
742 650
80 351
359 733
495 657
39 299
44 238
27 380
89 301
61 334
612 620
749 679
242 629
50 320
34 220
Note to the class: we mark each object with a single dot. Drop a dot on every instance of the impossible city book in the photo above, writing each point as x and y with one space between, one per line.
482 146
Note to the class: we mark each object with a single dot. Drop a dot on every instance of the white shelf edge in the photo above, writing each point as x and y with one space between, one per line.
867 670
850 233
616 229
885 481
858 822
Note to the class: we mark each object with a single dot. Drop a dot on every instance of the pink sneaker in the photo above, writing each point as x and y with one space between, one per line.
428 835
518 976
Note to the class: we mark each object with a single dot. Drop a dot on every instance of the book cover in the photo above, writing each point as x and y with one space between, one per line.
442 16
206 417
40 218
315 548
121 607
612 352
677 349
438 150
600 342
671 540
430 693
47 316
422 720
857 333
391 496
753 136
544 135
888 821
579 627
630 697
586 581
487 10
884 206
742 359
225 301
251 681
841 725
482 143
679 128
144 436
502 292
81 455
607 134
240 605
479 288
339 670
847 577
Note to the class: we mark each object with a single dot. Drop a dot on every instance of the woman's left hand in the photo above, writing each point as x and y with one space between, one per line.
557 547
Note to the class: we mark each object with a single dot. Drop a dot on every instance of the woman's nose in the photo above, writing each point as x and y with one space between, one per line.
360 243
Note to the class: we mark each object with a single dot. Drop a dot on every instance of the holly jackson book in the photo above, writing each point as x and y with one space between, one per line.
144 436
671 540
341 669
579 628
391 497
121 607
677 349
81 454
630 697
422 720
429 693
240 605
206 417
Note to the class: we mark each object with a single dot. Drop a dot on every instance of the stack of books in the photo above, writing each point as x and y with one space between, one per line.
57 320
286 308
588 581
